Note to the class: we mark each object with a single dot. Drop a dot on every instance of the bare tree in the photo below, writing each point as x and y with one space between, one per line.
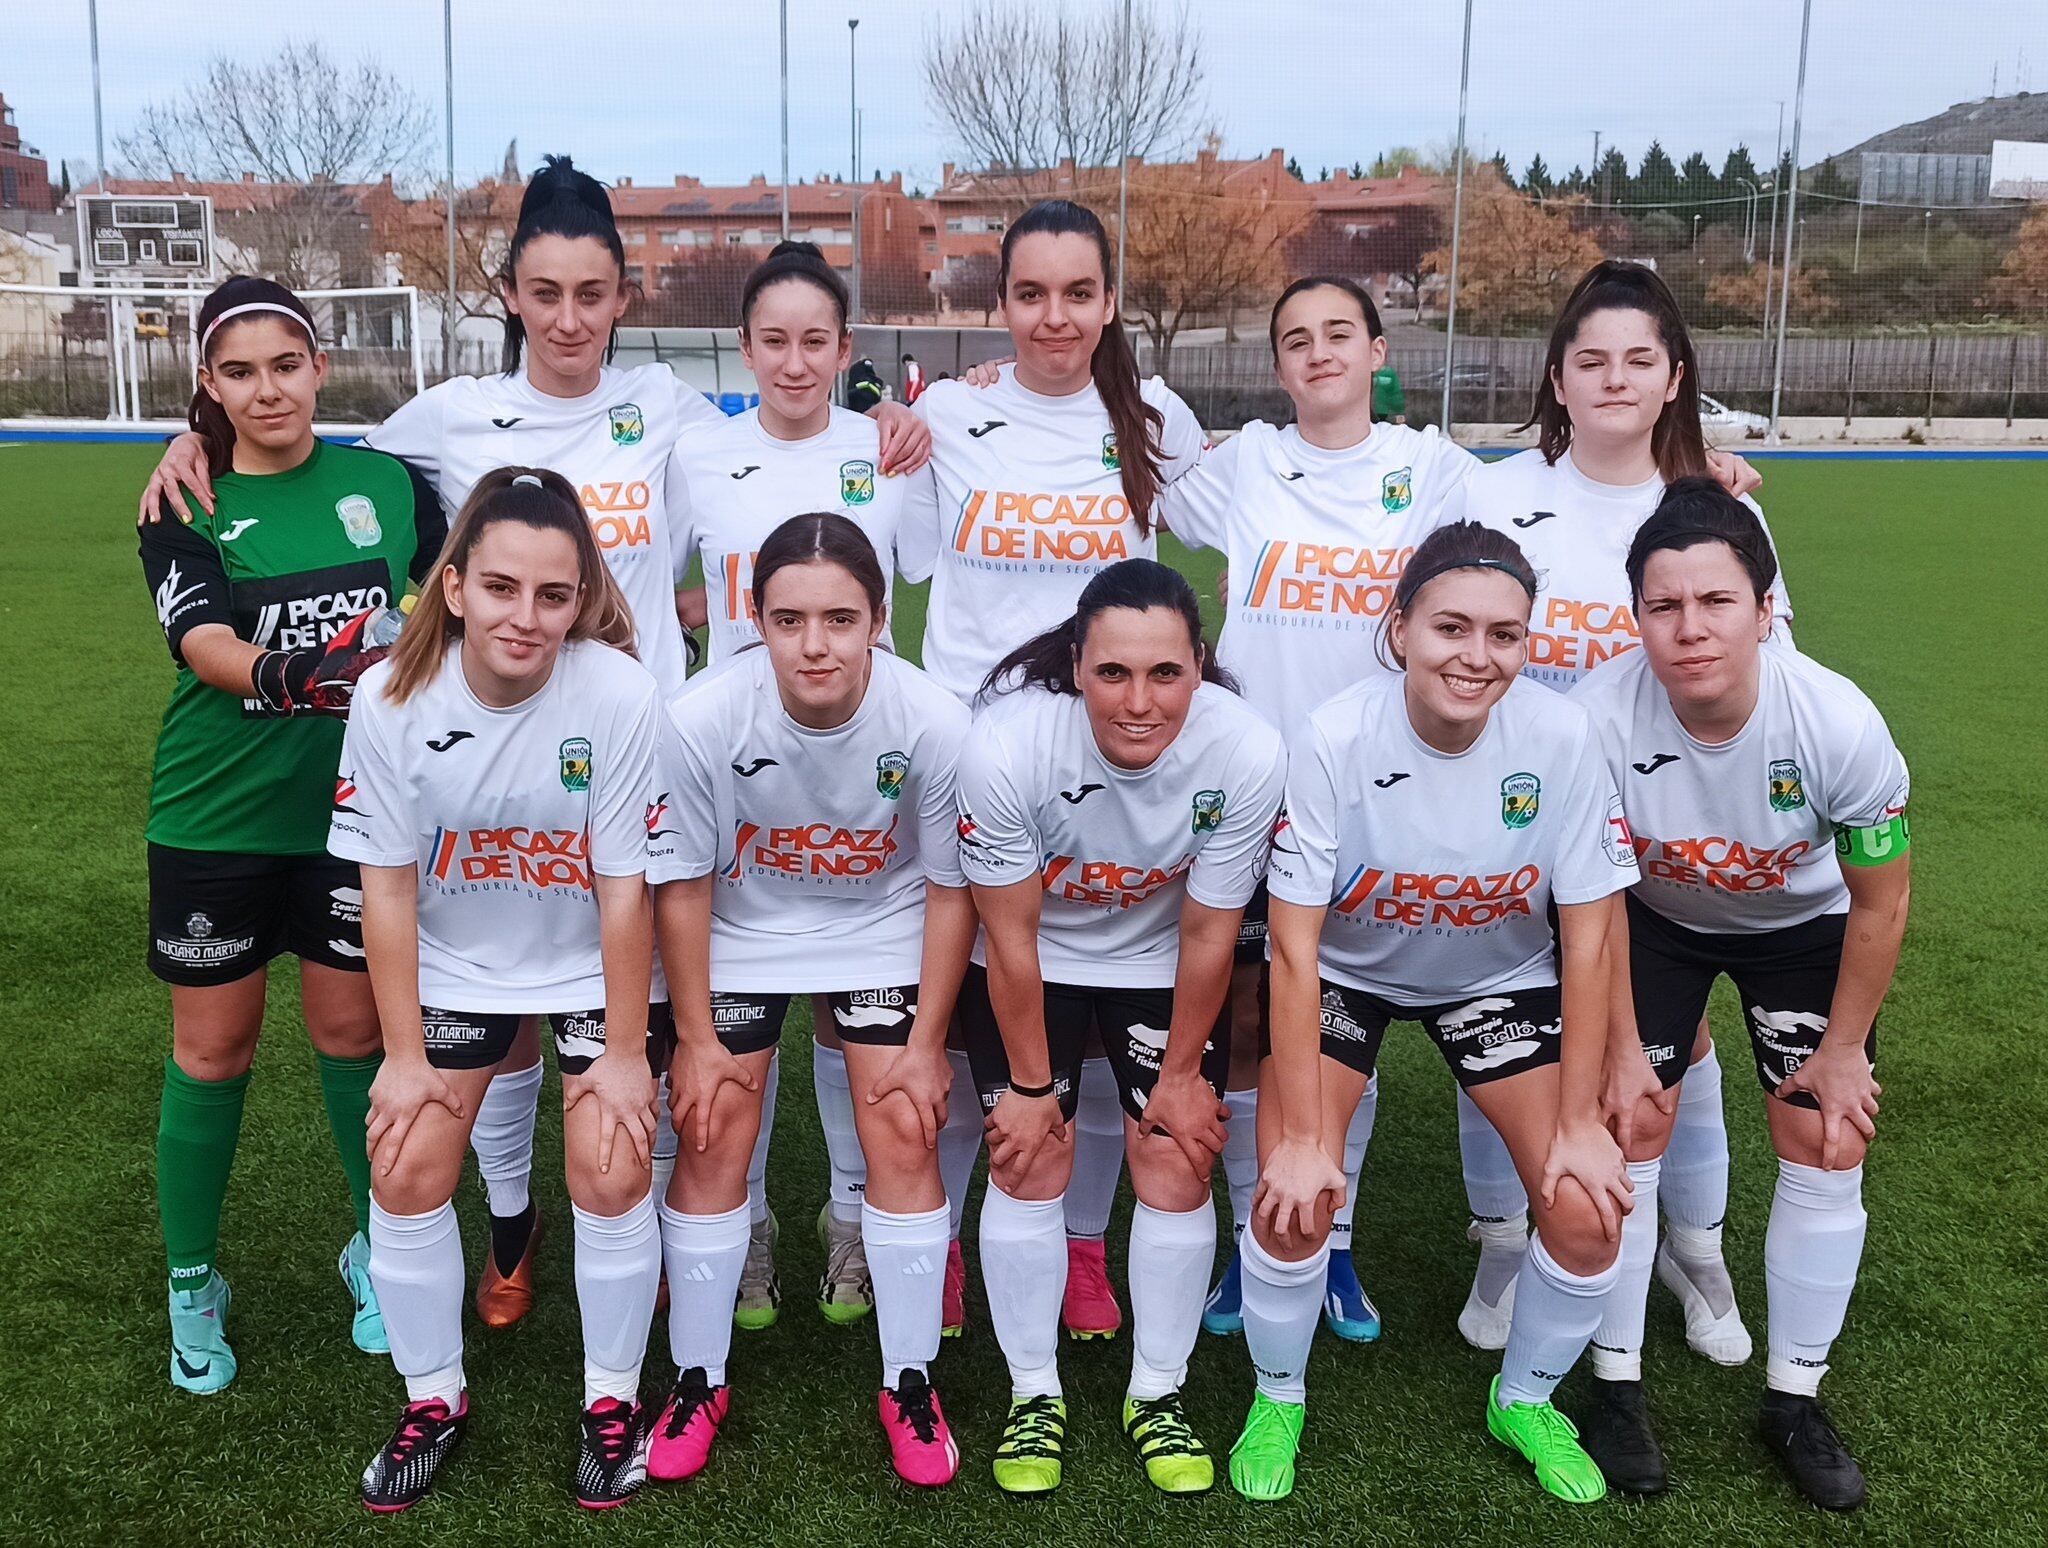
969 285
482 241
305 125
1020 86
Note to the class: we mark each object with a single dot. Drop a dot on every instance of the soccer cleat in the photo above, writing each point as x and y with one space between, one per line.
953 1319
1484 1324
1223 1312
759 1301
502 1299
1805 1441
403 1469
689 1422
921 1448
846 1293
1615 1430
201 1360
368 1327
1262 1461
1175 1459
611 1461
1723 1338
1348 1311
1550 1444
1089 1308
1028 1457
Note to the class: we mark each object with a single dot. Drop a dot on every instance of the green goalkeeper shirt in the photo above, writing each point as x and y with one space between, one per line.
285 560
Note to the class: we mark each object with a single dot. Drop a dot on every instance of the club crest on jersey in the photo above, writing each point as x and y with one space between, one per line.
576 764
1788 791
1397 490
1520 795
628 424
358 515
890 769
856 482
1208 811
1111 457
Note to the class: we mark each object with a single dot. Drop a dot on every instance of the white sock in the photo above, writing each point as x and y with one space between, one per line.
1281 1303
1811 1252
907 1259
1556 1312
618 1267
664 1157
704 1255
1241 1155
1356 1138
1492 1185
1171 1254
1617 1347
1695 1183
757 1164
503 1138
1024 1269
842 1139
1098 1152
416 1265
960 1139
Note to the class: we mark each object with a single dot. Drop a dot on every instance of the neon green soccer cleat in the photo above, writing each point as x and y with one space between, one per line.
1175 1459
201 1360
759 1301
1262 1461
1028 1459
1550 1442
846 1292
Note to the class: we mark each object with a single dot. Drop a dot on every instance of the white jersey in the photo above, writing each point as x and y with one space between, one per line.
613 444
1115 849
732 484
1437 870
507 813
1576 534
822 841
1315 542
1739 837
1029 505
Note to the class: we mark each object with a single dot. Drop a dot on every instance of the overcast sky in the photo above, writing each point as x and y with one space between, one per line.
651 88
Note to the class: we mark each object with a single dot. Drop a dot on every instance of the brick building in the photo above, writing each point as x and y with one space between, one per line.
24 174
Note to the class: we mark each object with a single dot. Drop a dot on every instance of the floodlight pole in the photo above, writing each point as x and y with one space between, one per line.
784 8
448 197
99 126
1791 221
1457 224
853 184
1123 160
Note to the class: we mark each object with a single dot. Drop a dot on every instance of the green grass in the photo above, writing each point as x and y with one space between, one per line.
1921 581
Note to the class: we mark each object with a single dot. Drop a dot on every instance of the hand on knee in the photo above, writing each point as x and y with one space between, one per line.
417 1183
1573 1233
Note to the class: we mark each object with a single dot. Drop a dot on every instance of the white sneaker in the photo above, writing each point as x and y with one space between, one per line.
1484 1324
1722 1339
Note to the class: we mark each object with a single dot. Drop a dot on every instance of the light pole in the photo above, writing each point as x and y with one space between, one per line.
784 8
1123 160
99 129
448 200
853 146
1457 224
1791 214
1771 250
1695 230
1749 221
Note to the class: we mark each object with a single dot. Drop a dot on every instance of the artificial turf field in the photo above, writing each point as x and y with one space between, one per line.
1921 581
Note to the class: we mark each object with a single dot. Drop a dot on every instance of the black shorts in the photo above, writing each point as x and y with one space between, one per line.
476 1040
1132 1024
880 1018
1786 979
1251 929
217 917
1483 1040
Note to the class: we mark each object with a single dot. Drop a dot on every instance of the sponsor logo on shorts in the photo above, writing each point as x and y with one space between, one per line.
890 770
1520 796
1208 815
629 426
1339 1025
201 945
1397 490
856 482
737 1013
358 515
346 904
575 754
1488 1033
1788 790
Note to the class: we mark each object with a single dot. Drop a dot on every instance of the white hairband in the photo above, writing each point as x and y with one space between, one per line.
255 306
527 478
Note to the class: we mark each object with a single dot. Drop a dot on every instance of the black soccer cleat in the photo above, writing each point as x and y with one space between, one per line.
611 1461
1614 1427
1798 1431
400 1474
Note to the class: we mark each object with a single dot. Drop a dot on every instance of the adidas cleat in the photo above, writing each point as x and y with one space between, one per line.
1027 1458
611 1460
1175 1459
953 1318
1089 1308
846 1292
1223 1312
404 1469
689 1422
1348 1311
367 1329
201 1360
921 1448
759 1301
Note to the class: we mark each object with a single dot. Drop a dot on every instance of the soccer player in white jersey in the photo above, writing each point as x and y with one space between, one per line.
1618 412
1116 801
808 846
558 403
1768 806
495 785
1042 479
1433 822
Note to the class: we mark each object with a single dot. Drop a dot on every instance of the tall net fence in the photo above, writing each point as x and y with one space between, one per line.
1904 235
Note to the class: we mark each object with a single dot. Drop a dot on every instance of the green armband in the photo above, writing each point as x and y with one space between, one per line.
1873 846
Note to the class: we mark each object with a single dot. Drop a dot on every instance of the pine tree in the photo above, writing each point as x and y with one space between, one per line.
1537 179
1609 180
1656 181
1294 169
1699 188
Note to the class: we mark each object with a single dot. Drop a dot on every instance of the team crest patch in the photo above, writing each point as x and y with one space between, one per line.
358 515
890 769
1111 457
1208 811
576 764
856 482
629 426
1397 490
1520 795
1788 791
199 927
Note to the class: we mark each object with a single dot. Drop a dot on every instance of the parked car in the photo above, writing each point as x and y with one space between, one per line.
1716 418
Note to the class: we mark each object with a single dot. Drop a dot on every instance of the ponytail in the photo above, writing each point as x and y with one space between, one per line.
244 295
1049 660
559 201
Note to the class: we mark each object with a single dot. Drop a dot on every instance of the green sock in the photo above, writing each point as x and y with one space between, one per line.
345 1088
196 1130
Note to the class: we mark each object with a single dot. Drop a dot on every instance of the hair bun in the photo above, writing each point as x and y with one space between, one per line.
560 178
797 249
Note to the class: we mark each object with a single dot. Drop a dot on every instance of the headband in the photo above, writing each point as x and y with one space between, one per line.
256 306
1434 571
